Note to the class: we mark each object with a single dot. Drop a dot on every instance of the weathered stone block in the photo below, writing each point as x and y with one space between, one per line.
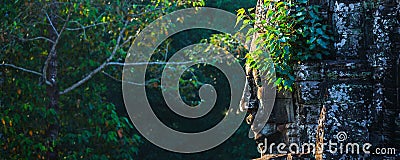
351 119
282 111
344 93
308 92
347 69
348 104
268 129
347 22
308 72
309 114
392 98
347 6
310 133
284 95
292 140
348 45
292 130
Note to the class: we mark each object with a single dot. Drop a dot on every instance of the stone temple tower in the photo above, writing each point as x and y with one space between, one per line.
351 96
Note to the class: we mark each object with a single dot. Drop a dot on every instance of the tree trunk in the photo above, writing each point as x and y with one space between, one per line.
52 92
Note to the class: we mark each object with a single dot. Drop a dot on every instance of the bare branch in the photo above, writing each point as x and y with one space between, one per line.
148 63
127 40
83 27
166 51
122 81
51 23
53 48
98 69
36 38
21 68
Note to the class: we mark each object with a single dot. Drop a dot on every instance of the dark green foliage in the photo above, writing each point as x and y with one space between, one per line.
91 127
292 32
231 5
92 119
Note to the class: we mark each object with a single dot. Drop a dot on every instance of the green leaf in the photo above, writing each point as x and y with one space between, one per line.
319 31
241 11
302 1
278 81
313 15
311 40
238 19
270 13
279 4
322 43
280 17
299 14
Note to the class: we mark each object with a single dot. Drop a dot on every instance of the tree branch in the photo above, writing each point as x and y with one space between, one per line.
122 81
98 69
21 68
53 48
83 27
147 63
127 40
51 23
36 38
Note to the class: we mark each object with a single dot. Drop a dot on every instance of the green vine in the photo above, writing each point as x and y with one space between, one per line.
292 32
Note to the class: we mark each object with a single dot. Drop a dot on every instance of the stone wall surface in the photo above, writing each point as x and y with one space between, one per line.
358 84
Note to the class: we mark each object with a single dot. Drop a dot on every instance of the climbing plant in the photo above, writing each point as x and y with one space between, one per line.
292 32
